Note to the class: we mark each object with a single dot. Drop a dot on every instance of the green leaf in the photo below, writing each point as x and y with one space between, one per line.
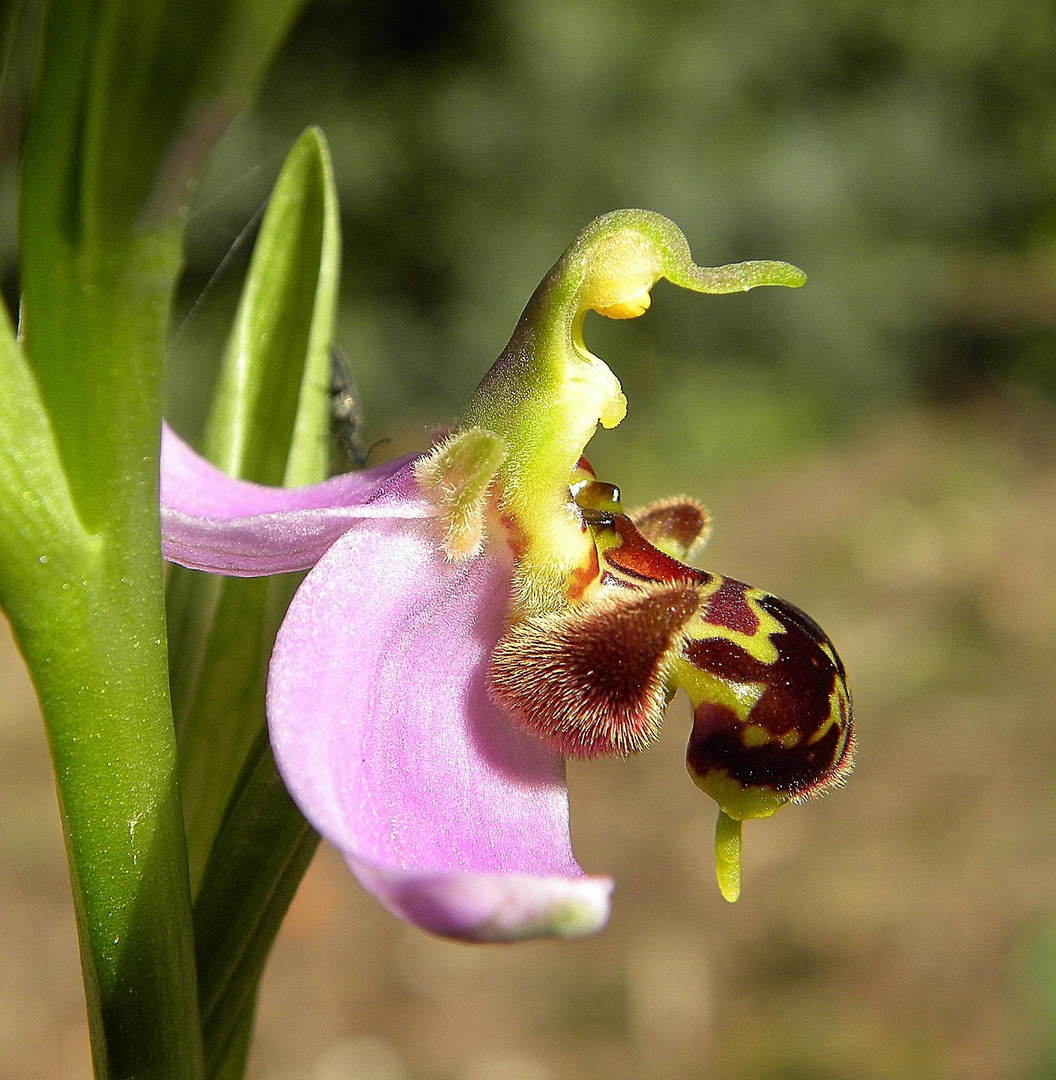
148 86
231 1065
269 424
270 417
42 541
130 97
238 913
10 13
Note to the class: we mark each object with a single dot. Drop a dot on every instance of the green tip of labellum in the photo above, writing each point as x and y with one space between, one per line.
728 856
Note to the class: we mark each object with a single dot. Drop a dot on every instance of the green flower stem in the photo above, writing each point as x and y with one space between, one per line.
92 632
86 610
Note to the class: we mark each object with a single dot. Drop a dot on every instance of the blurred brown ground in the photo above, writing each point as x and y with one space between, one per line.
880 930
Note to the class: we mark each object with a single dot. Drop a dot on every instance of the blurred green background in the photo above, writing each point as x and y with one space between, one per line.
879 447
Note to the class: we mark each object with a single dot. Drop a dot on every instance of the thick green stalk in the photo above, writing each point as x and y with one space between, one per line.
94 640
85 611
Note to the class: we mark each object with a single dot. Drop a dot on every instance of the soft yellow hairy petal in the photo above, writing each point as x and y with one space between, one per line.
457 476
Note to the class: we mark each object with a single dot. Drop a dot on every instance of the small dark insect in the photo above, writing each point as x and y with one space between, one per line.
346 416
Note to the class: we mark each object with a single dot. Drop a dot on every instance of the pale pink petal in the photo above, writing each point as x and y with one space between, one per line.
193 486
210 521
490 907
386 736
270 543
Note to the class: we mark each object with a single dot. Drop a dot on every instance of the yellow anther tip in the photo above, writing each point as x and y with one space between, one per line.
614 412
627 309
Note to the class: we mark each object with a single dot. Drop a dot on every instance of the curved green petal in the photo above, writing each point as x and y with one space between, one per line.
547 393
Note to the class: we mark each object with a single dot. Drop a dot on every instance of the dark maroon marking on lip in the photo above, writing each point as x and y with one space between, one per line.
797 684
789 614
728 607
797 688
637 558
715 745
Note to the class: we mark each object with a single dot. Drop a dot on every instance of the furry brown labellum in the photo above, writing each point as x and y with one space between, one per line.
591 680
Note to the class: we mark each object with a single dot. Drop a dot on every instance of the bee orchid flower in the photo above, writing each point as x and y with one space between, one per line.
477 614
